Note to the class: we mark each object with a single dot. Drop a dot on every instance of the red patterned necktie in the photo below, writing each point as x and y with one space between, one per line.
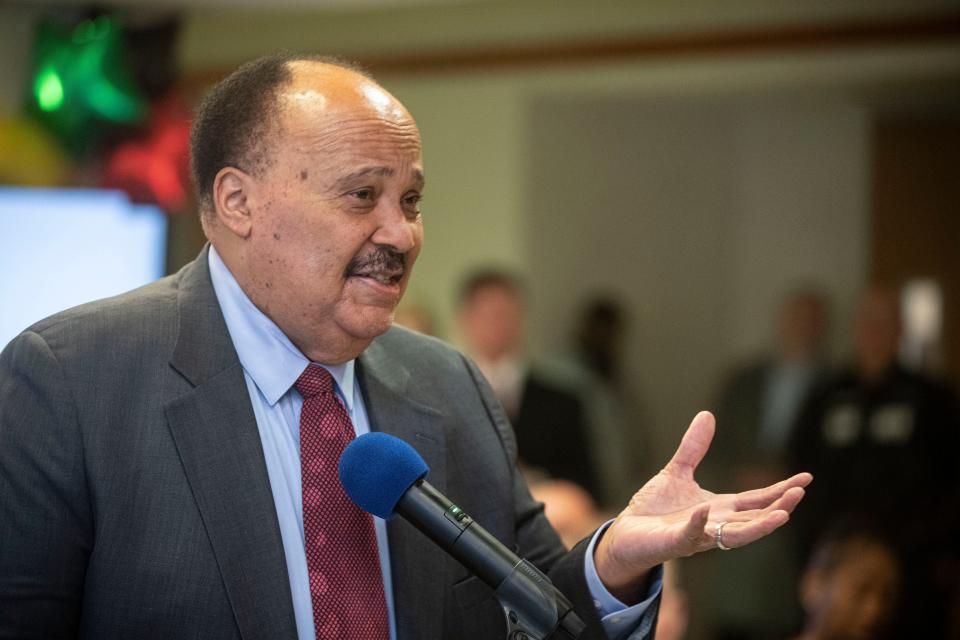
346 584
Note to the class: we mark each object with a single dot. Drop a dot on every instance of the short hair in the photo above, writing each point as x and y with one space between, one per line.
844 540
232 124
491 277
603 311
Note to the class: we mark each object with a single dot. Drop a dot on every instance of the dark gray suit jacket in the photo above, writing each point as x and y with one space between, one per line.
134 497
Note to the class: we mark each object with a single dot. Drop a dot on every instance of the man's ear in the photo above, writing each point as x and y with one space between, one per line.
232 191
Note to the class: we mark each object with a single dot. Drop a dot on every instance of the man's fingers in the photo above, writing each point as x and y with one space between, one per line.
693 531
787 502
739 534
695 442
762 498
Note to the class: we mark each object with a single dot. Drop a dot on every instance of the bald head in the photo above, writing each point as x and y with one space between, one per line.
236 123
321 87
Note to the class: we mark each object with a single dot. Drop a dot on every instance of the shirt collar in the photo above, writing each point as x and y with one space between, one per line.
266 353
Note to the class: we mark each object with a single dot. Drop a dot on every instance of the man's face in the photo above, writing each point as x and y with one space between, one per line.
336 225
803 326
877 330
492 322
855 601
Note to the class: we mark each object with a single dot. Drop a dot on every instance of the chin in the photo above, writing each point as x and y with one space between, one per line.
370 324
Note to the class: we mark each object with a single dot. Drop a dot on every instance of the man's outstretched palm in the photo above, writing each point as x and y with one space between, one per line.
671 516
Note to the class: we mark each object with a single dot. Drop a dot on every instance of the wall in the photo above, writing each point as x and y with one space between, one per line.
802 213
216 36
698 214
16 42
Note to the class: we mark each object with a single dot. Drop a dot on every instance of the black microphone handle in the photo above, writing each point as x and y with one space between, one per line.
445 523
542 607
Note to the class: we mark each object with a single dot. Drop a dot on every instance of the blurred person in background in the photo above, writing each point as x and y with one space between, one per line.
591 366
547 414
757 409
849 590
619 441
416 317
883 441
568 507
599 337
675 606
760 403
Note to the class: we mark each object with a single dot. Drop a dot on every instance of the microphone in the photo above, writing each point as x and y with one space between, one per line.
384 475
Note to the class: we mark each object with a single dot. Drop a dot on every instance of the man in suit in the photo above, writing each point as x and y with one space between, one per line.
762 400
547 415
151 445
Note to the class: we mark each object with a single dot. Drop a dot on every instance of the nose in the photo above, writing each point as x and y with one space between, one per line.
396 229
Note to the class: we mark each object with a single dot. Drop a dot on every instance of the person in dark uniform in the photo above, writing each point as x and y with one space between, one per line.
882 442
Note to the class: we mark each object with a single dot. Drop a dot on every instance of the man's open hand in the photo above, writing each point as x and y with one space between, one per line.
672 517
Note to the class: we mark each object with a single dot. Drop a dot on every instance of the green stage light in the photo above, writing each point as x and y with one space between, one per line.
49 90
82 82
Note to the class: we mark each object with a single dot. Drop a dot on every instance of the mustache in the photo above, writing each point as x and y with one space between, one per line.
382 259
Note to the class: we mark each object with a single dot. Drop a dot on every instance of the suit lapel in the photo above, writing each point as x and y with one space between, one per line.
392 406
217 439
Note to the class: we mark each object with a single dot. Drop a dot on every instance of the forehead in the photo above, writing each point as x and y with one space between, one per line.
494 293
328 108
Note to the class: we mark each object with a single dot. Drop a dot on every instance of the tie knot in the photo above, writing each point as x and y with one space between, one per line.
314 380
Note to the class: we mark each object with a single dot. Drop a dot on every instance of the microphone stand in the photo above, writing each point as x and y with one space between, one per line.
535 609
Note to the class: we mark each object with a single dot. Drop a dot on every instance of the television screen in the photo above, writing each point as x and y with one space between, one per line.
63 247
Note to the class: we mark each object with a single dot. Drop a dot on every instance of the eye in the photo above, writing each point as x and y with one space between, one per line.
363 194
411 202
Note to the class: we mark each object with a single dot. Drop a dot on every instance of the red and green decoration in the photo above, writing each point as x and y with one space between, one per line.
81 83
88 94
154 166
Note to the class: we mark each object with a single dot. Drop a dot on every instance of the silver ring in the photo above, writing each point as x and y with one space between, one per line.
719 537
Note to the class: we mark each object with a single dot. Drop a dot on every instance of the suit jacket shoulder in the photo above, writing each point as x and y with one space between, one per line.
131 470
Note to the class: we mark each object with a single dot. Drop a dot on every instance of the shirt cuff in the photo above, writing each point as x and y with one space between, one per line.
617 618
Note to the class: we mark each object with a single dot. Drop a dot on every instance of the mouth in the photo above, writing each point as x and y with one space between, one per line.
380 277
383 269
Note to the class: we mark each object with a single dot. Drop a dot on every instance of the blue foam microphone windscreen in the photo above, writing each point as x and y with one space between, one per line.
376 469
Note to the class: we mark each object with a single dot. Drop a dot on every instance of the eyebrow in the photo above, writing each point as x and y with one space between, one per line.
381 171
